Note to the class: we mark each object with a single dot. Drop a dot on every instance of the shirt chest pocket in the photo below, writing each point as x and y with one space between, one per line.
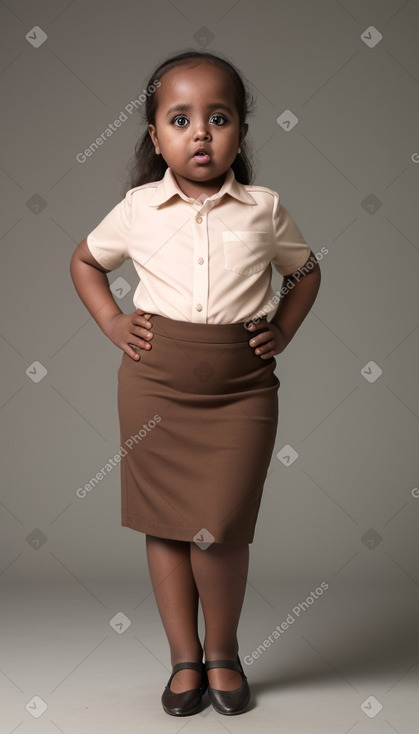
246 252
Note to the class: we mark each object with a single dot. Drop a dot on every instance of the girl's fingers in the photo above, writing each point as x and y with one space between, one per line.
143 334
258 341
132 353
141 327
263 344
141 321
141 337
145 316
134 350
143 344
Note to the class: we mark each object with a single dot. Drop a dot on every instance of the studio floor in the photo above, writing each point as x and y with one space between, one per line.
92 657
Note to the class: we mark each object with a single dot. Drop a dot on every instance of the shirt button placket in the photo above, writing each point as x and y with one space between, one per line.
200 270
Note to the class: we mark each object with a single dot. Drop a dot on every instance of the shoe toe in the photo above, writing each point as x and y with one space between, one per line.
186 702
181 704
230 702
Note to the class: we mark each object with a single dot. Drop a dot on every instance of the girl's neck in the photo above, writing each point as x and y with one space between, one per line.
199 189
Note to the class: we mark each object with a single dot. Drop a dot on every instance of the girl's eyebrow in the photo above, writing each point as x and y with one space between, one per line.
186 107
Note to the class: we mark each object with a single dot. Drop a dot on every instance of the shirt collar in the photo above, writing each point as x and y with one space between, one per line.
168 187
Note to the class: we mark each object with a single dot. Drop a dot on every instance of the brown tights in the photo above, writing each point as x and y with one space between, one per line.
182 573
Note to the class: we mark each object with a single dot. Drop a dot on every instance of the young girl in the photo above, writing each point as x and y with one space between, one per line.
197 390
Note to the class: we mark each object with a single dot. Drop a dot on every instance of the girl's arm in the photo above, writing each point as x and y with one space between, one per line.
292 309
92 286
297 302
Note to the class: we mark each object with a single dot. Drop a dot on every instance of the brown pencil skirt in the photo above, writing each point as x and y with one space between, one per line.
198 418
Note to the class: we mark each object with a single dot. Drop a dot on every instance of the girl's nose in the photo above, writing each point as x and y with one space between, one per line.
201 130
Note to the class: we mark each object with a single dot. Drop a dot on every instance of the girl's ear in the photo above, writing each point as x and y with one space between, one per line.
243 132
153 136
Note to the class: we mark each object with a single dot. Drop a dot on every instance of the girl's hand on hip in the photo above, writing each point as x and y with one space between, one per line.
268 343
131 330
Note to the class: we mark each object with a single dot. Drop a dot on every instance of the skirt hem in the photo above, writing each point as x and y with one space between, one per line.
133 522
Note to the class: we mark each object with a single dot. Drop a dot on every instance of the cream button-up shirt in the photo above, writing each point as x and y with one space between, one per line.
206 260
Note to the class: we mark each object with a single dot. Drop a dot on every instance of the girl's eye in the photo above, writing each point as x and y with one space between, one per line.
179 117
220 117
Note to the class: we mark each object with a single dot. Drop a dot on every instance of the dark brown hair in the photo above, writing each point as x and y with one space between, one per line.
145 165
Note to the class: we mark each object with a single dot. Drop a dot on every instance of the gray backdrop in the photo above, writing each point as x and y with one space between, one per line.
347 508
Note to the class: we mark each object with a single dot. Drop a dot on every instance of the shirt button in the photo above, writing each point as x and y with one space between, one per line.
198 307
198 219
200 260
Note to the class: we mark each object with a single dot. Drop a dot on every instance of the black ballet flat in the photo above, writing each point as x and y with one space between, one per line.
187 702
229 702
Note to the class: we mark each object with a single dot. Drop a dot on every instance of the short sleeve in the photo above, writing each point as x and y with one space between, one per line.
109 241
292 251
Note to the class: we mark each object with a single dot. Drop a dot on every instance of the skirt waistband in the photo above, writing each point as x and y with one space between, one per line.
213 333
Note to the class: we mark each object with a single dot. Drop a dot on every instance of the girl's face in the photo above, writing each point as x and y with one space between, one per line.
196 110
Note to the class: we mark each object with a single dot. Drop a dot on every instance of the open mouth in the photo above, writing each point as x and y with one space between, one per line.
201 157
